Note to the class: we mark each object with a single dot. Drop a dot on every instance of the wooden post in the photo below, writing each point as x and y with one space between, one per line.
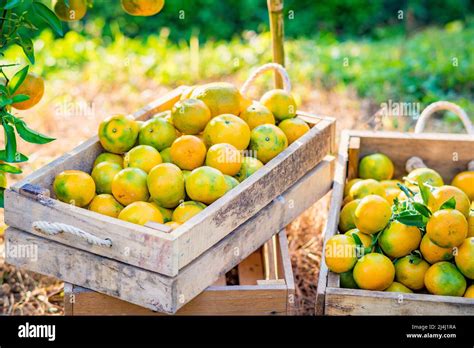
275 12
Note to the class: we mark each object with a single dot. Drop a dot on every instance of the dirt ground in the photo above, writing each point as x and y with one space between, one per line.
73 115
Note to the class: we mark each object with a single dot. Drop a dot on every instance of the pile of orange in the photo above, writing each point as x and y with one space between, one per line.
169 168
415 234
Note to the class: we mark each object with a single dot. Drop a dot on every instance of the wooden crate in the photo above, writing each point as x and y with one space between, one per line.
162 261
448 154
265 288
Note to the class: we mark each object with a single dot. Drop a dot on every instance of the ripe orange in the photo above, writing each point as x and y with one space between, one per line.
470 221
103 175
228 129
118 133
75 11
366 239
166 185
140 213
3 180
465 182
231 182
363 188
190 116
173 224
32 86
349 185
372 214
267 141
220 97
224 157
374 271
398 287
443 278
447 228
294 128
398 240
249 166
443 193
410 271
469 292
206 184
188 152
157 132
144 157
340 253
256 114
166 213
129 185
166 155
347 281
281 104
464 258
106 204
427 176
142 7
346 217
376 166
108 157
74 187
433 253
186 210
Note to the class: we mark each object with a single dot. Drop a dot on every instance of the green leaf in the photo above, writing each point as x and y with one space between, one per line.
409 193
2 197
415 257
10 141
29 134
4 101
411 218
422 209
4 90
28 48
18 158
20 98
18 79
12 4
424 191
4 167
449 204
48 16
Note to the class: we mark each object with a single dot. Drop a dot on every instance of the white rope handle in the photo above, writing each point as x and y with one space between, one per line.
443 105
53 228
414 163
470 166
262 70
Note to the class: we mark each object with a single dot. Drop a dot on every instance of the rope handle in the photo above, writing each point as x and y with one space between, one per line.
54 228
262 70
443 105
414 163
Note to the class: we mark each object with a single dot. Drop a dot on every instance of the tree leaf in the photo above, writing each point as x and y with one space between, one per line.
4 167
18 158
422 209
28 48
29 134
411 218
2 197
449 204
48 16
20 98
424 191
409 193
10 141
18 79
12 4
5 101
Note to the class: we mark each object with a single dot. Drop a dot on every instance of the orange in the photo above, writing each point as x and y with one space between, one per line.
206 184
464 258
470 220
267 141
281 104
108 157
157 132
74 187
129 185
363 188
410 271
256 114
186 210
390 184
144 157
346 280
340 253
186 174
166 155
465 182
103 175
443 278
346 217
293 128
188 152
166 213
433 253
441 194
3 180
398 240
372 214
224 157
106 204
142 7
376 166
391 194
190 116
374 271
398 287
220 97
74 11
166 185
173 224
249 166
118 133
447 228
32 86
187 92
469 292
231 182
140 213
366 239
349 185
426 175
228 129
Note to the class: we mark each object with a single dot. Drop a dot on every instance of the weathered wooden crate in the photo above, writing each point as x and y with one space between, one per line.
153 266
265 287
448 154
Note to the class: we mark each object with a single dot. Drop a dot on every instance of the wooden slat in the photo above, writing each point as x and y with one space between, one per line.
353 158
221 281
251 269
286 272
270 259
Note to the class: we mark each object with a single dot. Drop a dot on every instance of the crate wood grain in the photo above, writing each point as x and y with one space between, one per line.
153 248
446 153
247 298
163 293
